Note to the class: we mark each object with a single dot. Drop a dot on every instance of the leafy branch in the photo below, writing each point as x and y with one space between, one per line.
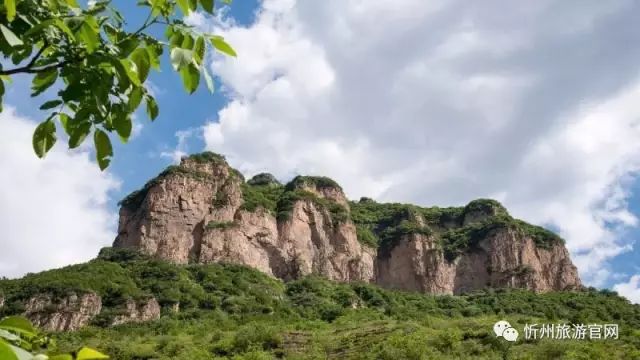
98 67
20 340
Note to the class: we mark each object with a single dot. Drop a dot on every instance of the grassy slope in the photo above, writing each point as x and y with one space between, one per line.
234 312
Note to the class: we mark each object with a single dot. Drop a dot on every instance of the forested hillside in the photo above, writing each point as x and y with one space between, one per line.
229 311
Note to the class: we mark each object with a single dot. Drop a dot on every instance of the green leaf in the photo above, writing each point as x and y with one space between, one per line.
8 335
50 104
207 5
73 92
90 354
127 46
104 152
62 26
190 78
184 6
187 42
175 38
39 27
21 322
208 79
79 132
21 353
43 139
154 56
193 4
88 35
43 80
61 357
123 125
131 70
220 45
140 57
198 50
65 120
10 6
152 107
11 38
6 352
135 98
156 7
180 58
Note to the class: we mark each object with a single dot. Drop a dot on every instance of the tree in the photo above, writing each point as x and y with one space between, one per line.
99 66
19 340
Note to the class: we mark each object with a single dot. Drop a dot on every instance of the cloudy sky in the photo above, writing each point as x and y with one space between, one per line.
536 104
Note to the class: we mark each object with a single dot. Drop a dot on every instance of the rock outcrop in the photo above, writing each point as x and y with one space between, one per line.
138 312
203 211
194 213
63 314
506 258
74 311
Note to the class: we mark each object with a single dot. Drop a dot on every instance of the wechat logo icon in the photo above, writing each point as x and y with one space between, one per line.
503 329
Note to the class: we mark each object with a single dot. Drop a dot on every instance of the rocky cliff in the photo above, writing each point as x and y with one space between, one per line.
70 312
73 311
203 211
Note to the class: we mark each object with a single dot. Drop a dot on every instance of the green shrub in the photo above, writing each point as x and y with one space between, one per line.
208 157
222 225
319 182
134 200
261 195
287 200
263 179
366 236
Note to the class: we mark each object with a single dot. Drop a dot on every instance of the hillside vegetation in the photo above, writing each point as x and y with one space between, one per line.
232 312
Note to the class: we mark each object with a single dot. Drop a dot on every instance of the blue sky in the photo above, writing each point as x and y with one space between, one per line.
179 111
435 104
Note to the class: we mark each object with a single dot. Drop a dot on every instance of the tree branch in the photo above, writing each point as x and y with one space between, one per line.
27 68
30 70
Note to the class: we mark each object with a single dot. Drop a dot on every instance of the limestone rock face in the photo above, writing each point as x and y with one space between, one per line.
138 312
308 242
66 314
316 245
171 219
505 258
197 213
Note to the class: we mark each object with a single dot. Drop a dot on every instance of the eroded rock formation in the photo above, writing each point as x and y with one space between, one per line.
202 211
138 311
67 313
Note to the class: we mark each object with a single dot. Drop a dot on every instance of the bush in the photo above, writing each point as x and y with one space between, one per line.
222 225
261 195
264 179
318 182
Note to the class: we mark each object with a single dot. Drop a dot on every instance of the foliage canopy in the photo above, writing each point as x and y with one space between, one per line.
96 68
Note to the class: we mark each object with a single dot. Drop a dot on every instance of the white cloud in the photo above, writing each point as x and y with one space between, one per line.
630 289
53 211
182 148
444 103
